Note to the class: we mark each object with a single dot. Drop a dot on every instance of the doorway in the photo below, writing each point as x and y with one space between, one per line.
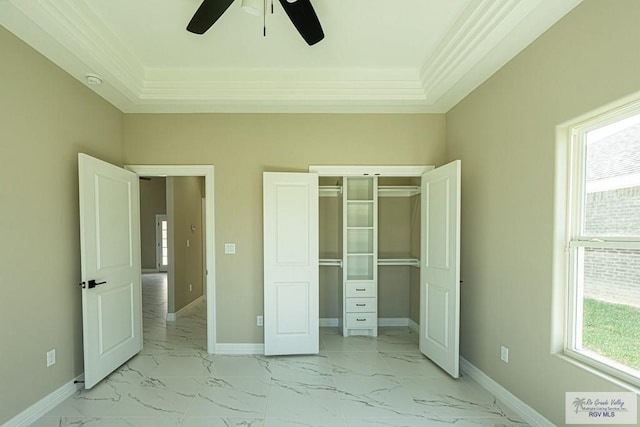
207 172
162 243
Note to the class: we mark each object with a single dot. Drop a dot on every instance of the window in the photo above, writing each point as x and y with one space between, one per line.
603 310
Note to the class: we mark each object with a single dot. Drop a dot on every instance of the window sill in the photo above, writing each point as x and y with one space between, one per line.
598 373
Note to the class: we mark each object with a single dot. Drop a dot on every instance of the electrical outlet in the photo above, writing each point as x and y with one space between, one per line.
504 354
51 357
260 321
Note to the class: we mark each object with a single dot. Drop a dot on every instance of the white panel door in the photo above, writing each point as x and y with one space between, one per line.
291 263
110 267
440 267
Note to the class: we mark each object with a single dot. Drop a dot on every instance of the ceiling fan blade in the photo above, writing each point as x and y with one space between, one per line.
207 14
304 18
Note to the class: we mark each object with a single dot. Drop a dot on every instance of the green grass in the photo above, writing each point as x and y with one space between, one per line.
613 331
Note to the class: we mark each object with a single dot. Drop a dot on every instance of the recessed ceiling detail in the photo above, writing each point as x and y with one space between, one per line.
377 56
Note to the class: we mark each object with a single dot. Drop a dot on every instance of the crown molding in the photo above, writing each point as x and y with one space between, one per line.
80 31
478 28
285 85
489 34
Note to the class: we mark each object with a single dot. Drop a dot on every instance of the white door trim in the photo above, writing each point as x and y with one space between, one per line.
207 171
392 171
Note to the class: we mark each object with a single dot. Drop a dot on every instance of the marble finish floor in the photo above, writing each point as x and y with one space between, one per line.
353 382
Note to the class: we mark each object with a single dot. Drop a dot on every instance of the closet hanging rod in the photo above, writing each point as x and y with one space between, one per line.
331 262
383 190
329 190
398 190
411 262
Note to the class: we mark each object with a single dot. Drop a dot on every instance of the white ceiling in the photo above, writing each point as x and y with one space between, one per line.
377 55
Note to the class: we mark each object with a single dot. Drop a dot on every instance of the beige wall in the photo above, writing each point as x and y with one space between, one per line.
187 266
241 147
504 134
394 241
46 118
153 201
330 229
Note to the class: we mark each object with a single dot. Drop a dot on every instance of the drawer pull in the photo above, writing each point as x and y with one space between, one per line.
361 289
360 320
361 305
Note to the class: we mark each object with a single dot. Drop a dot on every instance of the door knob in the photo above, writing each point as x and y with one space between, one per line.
92 284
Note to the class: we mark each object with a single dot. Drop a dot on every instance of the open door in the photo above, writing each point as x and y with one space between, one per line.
291 263
110 267
440 267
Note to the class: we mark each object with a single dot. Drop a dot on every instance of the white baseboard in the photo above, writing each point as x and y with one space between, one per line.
150 270
328 322
415 327
171 317
239 348
189 306
393 321
524 411
44 405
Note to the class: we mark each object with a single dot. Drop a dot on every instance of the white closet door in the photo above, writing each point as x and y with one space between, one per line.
440 267
291 263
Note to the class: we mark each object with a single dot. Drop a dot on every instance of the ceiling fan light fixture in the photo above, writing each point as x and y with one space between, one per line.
253 7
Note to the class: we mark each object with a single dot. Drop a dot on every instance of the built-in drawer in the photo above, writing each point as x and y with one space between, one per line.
361 320
360 289
359 305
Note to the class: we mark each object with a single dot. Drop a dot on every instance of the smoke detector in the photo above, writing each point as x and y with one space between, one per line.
93 80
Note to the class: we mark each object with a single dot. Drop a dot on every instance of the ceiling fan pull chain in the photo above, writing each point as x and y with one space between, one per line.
264 19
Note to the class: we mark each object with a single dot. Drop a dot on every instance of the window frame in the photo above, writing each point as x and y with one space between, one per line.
576 241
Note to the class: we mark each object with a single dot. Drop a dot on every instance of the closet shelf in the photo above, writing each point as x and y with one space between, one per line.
331 262
329 190
383 191
398 190
411 262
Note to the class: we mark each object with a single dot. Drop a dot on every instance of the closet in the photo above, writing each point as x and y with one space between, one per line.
361 246
369 253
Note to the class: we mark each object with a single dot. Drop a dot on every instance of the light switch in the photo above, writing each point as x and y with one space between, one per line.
229 248
188 243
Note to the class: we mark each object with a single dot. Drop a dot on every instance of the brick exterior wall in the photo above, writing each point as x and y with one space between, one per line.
613 275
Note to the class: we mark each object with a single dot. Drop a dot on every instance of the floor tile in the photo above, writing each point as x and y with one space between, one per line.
166 397
305 422
353 382
255 366
311 397
230 397
359 363
381 396
221 422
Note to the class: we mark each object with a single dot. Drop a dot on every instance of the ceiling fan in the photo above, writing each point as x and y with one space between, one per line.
300 12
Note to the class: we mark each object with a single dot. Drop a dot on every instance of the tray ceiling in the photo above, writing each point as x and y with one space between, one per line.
377 55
